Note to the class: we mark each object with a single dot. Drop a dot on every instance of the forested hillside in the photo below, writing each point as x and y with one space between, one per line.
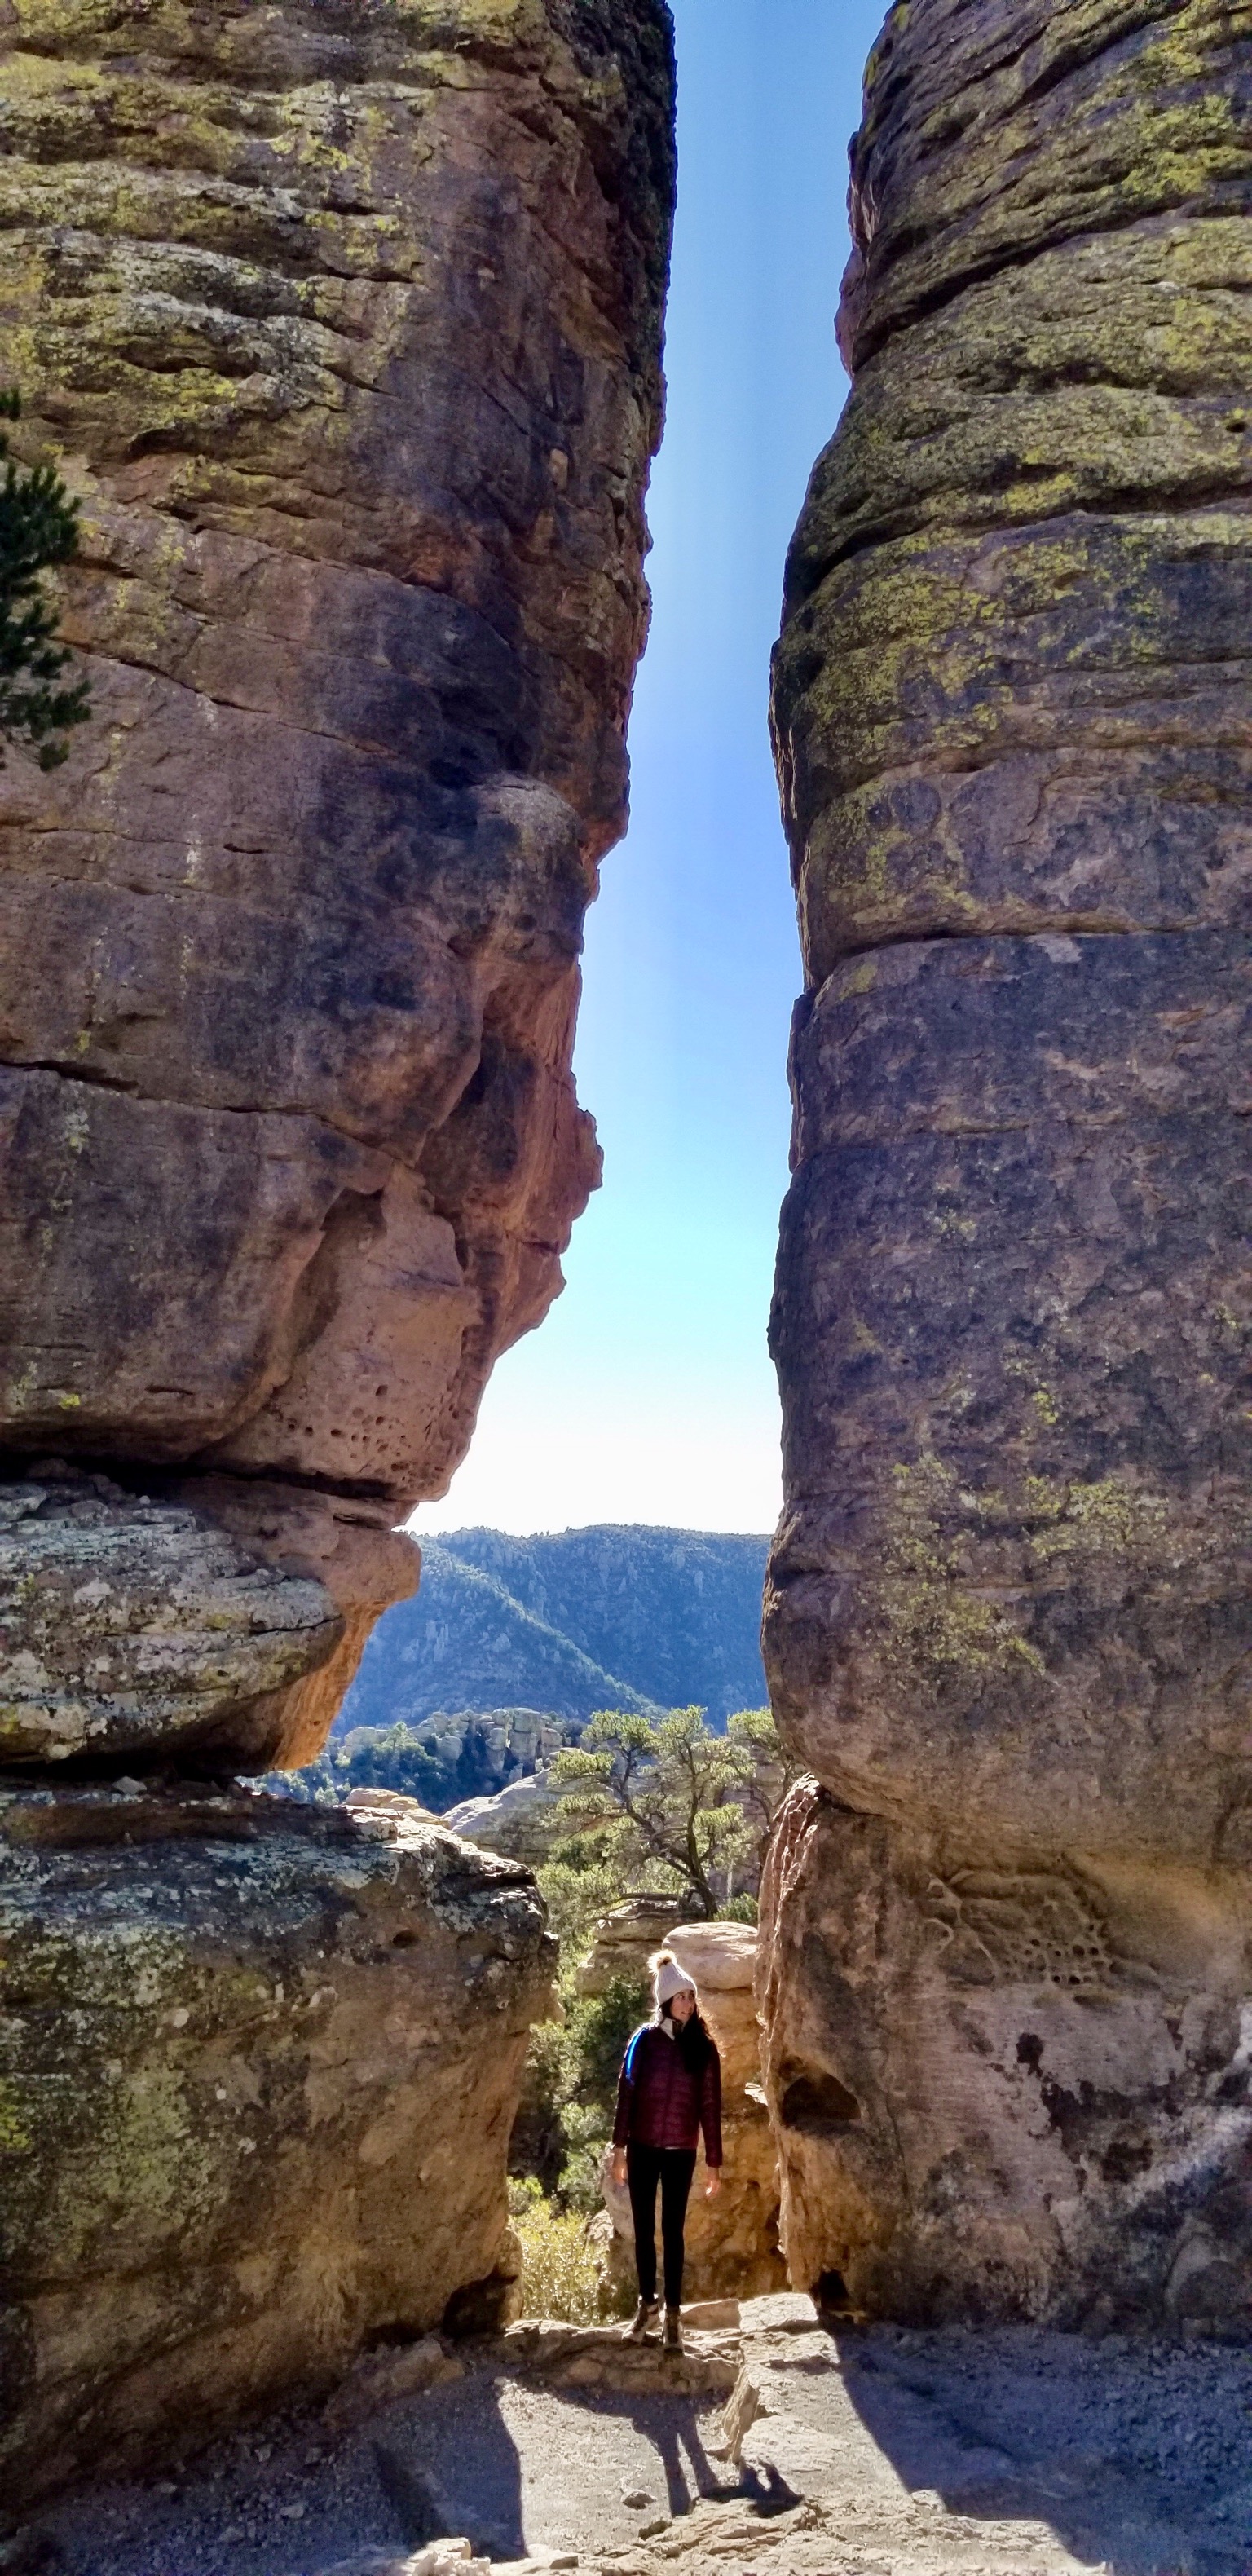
626 1617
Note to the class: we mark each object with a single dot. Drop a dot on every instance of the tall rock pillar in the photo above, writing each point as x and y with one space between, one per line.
343 320
1007 1617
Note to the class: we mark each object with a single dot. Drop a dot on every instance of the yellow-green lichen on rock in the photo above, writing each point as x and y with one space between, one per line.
1007 1617
341 320
232 2030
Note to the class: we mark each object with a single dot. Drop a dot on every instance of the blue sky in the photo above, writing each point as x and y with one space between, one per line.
648 1394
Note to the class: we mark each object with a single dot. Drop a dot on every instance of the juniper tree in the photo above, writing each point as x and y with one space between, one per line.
658 1799
38 531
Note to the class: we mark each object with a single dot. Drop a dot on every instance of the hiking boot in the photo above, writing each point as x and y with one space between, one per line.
645 2321
673 2335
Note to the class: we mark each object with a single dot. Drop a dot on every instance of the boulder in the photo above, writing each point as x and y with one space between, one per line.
200 1619
342 1541
360 429
1029 2076
1007 1619
136 1631
517 1820
625 1940
259 2068
386 1806
720 1959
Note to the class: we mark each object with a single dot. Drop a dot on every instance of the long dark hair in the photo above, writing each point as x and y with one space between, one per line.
695 2041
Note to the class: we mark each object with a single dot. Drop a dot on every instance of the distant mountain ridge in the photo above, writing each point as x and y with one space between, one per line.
609 1617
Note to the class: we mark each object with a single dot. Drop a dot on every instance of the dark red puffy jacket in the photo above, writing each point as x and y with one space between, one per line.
662 2101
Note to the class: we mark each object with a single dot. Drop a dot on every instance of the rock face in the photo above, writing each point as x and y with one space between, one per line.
624 1942
129 1627
1007 1616
259 2070
344 320
732 2242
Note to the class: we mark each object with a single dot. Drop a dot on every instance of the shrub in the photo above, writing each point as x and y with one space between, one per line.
562 2275
597 2029
578 1889
569 2091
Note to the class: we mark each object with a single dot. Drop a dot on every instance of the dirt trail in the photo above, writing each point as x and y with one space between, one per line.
1007 2453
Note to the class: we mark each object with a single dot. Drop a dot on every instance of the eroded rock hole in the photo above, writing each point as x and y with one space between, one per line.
482 2307
816 2103
1125 2159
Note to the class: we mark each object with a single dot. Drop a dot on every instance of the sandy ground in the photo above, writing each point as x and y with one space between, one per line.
878 2453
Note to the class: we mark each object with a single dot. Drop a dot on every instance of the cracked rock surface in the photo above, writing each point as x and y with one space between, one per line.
343 322
1004 1940
342 319
130 1626
258 2070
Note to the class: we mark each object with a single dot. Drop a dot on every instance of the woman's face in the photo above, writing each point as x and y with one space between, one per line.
682 2005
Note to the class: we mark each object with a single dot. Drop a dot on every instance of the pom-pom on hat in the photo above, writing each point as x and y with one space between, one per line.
668 1979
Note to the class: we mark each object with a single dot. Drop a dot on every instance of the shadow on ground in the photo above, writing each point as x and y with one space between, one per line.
1001 2453
477 2485
1136 2456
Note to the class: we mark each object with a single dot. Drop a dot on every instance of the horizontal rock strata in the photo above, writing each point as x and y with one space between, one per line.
258 2068
342 320
344 324
1007 1620
130 1627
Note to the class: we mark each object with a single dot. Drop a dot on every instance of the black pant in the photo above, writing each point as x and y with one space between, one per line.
672 2168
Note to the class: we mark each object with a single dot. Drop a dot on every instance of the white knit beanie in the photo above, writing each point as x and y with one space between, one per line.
668 1979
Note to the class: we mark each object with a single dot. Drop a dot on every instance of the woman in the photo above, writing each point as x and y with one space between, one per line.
670 2090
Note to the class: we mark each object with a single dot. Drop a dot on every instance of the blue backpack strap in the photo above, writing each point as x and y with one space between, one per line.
632 2051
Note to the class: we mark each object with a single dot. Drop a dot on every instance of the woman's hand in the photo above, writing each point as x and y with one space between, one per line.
714 2183
619 2167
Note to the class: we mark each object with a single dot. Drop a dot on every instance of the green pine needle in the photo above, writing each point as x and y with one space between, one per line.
38 532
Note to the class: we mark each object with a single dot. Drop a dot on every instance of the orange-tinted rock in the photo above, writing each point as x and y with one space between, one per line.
342 318
343 321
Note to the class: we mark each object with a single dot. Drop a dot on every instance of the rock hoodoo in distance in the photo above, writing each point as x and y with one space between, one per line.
1006 1937
343 320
